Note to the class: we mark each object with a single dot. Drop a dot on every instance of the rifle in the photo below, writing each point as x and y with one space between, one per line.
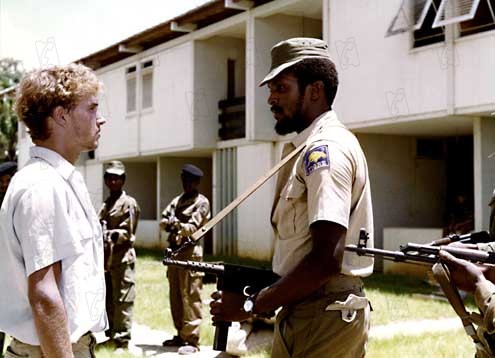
412 252
107 246
245 280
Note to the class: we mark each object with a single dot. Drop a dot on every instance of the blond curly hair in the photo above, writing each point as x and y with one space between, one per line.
42 90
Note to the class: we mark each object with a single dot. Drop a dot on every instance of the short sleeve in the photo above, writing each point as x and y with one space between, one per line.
45 231
328 175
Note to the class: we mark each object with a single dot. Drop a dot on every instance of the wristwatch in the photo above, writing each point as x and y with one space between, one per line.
248 306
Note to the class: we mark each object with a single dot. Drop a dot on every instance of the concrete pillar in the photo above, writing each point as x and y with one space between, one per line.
93 175
255 235
484 169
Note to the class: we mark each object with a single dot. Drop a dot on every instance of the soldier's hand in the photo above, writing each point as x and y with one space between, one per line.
464 274
228 306
462 245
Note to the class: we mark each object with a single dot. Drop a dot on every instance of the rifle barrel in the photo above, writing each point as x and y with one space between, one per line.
398 256
192 265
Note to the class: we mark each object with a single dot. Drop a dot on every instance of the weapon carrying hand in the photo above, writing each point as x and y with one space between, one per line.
228 306
461 245
464 274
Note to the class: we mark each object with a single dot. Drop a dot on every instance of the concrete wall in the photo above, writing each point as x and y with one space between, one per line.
374 70
255 235
141 184
164 128
406 191
210 83
474 70
169 125
119 128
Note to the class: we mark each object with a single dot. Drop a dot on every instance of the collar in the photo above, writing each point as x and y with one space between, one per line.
59 163
324 119
122 195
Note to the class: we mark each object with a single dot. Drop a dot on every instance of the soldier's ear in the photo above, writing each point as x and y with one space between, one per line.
317 90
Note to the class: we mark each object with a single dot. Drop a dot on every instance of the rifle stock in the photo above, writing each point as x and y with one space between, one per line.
240 279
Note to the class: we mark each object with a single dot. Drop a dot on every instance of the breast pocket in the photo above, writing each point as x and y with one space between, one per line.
292 210
85 229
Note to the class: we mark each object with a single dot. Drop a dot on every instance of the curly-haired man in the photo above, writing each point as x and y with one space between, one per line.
51 263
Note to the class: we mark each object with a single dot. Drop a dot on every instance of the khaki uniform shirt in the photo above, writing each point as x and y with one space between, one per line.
327 181
191 212
122 219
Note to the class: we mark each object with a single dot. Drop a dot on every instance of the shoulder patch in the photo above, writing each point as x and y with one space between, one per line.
316 158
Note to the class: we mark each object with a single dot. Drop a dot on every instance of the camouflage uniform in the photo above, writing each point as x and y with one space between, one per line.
185 285
484 296
121 219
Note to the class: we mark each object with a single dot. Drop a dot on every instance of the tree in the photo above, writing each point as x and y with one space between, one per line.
11 72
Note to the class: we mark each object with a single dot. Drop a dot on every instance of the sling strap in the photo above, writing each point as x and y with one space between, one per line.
234 204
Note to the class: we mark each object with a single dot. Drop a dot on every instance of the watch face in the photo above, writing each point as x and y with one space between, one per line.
248 305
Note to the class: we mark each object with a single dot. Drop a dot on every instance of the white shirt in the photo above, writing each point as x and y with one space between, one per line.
46 217
327 181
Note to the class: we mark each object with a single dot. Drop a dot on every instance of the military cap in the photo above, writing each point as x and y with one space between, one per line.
8 168
115 167
192 170
289 52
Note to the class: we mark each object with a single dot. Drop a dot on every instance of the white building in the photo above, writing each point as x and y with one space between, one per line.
417 87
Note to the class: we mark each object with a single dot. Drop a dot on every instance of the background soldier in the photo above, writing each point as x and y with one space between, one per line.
7 171
119 215
182 217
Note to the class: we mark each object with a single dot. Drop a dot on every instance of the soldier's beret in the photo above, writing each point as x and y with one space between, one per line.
192 170
8 168
115 167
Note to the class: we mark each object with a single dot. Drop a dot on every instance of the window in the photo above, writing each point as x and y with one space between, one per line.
131 89
427 34
455 11
484 19
417 16
147 84
410 16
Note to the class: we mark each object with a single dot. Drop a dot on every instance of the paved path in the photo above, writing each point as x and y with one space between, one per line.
146 342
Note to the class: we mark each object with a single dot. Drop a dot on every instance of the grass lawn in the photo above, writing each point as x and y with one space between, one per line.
455 344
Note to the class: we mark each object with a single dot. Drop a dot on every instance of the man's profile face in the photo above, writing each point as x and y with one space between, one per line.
114 182
4 182
86 123
190 183
286 104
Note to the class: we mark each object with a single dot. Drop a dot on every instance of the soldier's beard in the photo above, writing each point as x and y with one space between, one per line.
289 124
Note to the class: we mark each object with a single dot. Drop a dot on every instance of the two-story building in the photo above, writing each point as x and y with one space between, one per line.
417 88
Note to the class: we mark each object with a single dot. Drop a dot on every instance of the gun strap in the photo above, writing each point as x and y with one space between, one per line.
442 275
234 204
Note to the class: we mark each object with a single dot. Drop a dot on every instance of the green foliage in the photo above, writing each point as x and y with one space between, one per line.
11 72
